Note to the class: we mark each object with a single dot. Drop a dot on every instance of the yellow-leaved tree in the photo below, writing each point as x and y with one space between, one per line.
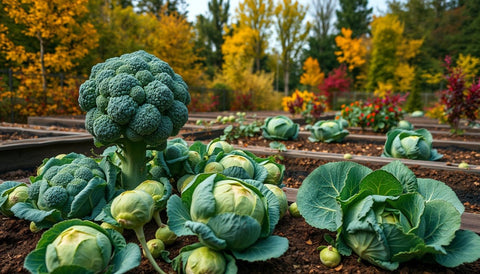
352 50
62 36
391 52
251 90
312 75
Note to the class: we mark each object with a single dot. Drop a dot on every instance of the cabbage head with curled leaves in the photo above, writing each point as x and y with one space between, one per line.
410 144
387 216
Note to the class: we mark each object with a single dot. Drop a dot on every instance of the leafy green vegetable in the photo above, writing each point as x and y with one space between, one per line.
410 144
280 128
387 216
66 187
76 246
228 214
327 131
136 102
11 193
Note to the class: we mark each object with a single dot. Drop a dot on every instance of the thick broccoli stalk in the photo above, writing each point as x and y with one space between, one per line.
135 101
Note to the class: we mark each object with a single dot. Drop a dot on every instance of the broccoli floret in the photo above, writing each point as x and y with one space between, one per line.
87 95
83 173
61 179
146 120
143 94
49 173
106 130
178 113
75 186
121 109
86 162
121 84
69 168
55 197
159 95
34 190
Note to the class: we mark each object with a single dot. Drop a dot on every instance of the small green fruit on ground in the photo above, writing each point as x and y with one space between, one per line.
463 165
164 234
293 209
156 247
330 257
347 156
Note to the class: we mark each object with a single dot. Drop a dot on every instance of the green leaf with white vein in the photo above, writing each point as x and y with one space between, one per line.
318 194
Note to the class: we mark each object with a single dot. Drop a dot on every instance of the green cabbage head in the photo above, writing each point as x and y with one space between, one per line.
76 246
327 131
280 128
387 216
228 214
410 144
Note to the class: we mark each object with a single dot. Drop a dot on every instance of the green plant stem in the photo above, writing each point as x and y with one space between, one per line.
143 242
134 168
156 217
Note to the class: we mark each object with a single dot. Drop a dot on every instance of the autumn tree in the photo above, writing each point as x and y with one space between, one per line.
256 15
62 36
323 11
162 6
354 15
352 50
391 52
312 75
211 30
292 33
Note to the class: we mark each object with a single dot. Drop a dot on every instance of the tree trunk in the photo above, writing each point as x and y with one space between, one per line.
286 76
42 64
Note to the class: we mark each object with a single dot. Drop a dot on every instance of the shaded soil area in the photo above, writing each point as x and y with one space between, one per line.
16 241
364 147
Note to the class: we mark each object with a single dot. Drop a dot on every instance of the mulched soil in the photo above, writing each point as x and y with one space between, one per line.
16 240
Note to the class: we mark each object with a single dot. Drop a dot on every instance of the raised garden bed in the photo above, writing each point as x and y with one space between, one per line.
302 257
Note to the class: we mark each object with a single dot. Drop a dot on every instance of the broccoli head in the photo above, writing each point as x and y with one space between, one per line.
136 102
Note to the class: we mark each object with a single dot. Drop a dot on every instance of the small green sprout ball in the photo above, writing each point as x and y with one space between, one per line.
132 208
164 234
205 260
330 257
155 246
136 97
293 210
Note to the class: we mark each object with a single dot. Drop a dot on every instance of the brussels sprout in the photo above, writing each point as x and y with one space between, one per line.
274 174
194 158
11 193
33 227
105 225
280 128
464 165
79 245
347 156
164 234
238 161
160 192
184 181
327 131
213 167
293 210
76 246
282 198
155 246
330 257
205 260
216 146
132 208
404 124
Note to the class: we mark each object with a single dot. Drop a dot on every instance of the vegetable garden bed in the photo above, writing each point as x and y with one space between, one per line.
300 160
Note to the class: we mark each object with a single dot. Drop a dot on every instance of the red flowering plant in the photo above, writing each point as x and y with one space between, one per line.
379 113
458 100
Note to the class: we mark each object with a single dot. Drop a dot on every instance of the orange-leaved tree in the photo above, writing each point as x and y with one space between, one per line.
62 36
